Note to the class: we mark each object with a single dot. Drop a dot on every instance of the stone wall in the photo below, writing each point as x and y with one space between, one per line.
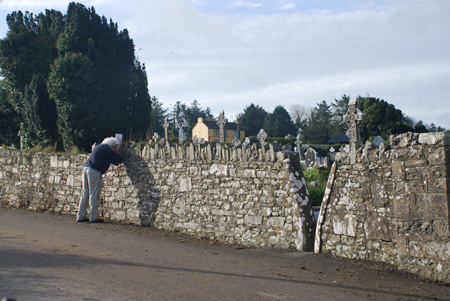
250 195
392 205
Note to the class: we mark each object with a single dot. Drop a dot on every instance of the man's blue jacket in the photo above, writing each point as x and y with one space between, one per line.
101 157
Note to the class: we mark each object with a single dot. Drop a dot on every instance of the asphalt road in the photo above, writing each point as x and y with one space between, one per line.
51 257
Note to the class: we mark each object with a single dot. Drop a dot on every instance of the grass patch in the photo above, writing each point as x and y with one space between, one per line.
319 175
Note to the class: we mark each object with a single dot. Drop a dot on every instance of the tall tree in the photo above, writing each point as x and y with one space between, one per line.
25 58
70 84
157 117
39 114
279 123
380 119
112 98
9 120
319 128
252 119
339 108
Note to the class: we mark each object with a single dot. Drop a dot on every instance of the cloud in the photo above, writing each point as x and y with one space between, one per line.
288 6
227 57
249 5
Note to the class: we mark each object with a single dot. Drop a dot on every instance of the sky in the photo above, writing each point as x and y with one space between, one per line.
230 54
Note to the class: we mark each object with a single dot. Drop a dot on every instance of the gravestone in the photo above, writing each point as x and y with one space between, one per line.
181 125
377 141
298 143
156 137
310 158
195 139
221 122
166 126
353 118
236 142
262 136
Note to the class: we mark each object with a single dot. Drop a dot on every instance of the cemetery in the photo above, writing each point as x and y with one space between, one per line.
384 202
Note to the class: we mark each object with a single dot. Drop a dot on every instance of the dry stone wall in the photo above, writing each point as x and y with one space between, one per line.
249 195
391 205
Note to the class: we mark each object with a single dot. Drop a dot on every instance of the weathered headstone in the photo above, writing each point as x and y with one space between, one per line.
310 158
221 122
377 141
353 117
195 139
181 125
247 141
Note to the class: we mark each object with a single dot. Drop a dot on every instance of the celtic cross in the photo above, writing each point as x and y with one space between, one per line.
221 122
353 118
262 136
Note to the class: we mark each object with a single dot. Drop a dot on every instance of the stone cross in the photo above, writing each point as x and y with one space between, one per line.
156 136
353 118
221 122
166 126
262 136
299 142
236 141
181 125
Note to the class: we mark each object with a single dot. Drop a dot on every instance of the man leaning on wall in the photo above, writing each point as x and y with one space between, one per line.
98 163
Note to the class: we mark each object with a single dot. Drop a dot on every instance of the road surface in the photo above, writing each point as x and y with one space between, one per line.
51 257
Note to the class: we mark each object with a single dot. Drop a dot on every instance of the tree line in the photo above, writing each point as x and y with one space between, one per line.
69 80
315 125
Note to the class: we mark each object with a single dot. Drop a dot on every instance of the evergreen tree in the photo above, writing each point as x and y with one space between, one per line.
252 119
25 58
279 123
112 98
9 120
319 129
380 119
339 108
157 117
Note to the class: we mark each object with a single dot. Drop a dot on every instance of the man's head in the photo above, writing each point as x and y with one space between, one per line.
112 143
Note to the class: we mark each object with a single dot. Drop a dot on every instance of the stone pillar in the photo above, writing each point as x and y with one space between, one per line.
221 122
353 118
166 126
181 125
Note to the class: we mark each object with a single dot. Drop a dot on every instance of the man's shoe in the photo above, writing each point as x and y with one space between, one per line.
84 220
98 220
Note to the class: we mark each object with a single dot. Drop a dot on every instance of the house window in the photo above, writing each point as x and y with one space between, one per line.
236 134
226 133
216 133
